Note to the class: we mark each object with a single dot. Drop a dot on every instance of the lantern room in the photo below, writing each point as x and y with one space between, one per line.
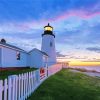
48 28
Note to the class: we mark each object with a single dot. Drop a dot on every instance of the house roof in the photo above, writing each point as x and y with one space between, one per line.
11 47
19 49
38 51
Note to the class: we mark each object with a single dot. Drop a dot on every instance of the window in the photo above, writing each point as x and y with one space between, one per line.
50 44
18 55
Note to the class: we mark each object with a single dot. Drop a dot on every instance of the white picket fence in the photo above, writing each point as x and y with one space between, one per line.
20 87
54 69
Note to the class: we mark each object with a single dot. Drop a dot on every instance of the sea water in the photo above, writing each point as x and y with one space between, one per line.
89 68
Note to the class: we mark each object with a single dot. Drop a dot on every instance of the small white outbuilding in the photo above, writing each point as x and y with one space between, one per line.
37 58
12 56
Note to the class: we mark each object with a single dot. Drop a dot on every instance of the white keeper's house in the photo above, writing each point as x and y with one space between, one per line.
12 56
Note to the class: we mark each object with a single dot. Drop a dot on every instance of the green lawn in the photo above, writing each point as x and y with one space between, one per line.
67 85
5 74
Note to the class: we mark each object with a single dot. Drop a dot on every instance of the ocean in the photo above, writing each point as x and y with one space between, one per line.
95 68
90 68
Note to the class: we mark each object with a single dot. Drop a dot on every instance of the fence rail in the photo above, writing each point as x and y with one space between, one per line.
20 87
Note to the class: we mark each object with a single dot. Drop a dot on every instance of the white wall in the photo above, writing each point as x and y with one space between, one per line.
9 58
50 50
23 60
0 57
36 59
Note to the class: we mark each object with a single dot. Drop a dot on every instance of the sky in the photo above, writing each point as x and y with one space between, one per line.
76 25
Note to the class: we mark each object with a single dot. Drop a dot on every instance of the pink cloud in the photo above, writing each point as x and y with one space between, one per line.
78 13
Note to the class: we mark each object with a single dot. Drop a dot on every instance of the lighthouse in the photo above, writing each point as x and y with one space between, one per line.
48 44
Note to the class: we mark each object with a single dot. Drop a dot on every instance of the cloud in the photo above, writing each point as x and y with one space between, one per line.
94 49
22 41
37 10
85 33
60 55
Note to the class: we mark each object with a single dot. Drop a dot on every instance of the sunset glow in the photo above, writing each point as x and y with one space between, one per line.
80 63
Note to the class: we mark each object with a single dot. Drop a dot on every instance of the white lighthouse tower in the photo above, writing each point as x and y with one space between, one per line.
48 44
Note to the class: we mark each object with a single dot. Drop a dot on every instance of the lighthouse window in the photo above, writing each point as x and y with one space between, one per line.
50 44
18 55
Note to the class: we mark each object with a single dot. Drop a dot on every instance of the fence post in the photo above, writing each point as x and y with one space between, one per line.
34 81
31 82
19 78
16 88
9 88
21 86
1 89
26 85
5 89
24 78
12 87
29 85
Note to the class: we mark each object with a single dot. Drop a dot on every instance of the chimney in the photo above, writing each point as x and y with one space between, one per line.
3 41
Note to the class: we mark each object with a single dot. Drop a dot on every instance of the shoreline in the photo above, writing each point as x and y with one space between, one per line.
87 68
92 73
84 70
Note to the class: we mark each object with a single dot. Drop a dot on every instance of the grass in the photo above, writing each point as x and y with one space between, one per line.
4 74
67 85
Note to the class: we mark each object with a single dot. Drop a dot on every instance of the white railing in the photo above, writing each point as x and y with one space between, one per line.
20 87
